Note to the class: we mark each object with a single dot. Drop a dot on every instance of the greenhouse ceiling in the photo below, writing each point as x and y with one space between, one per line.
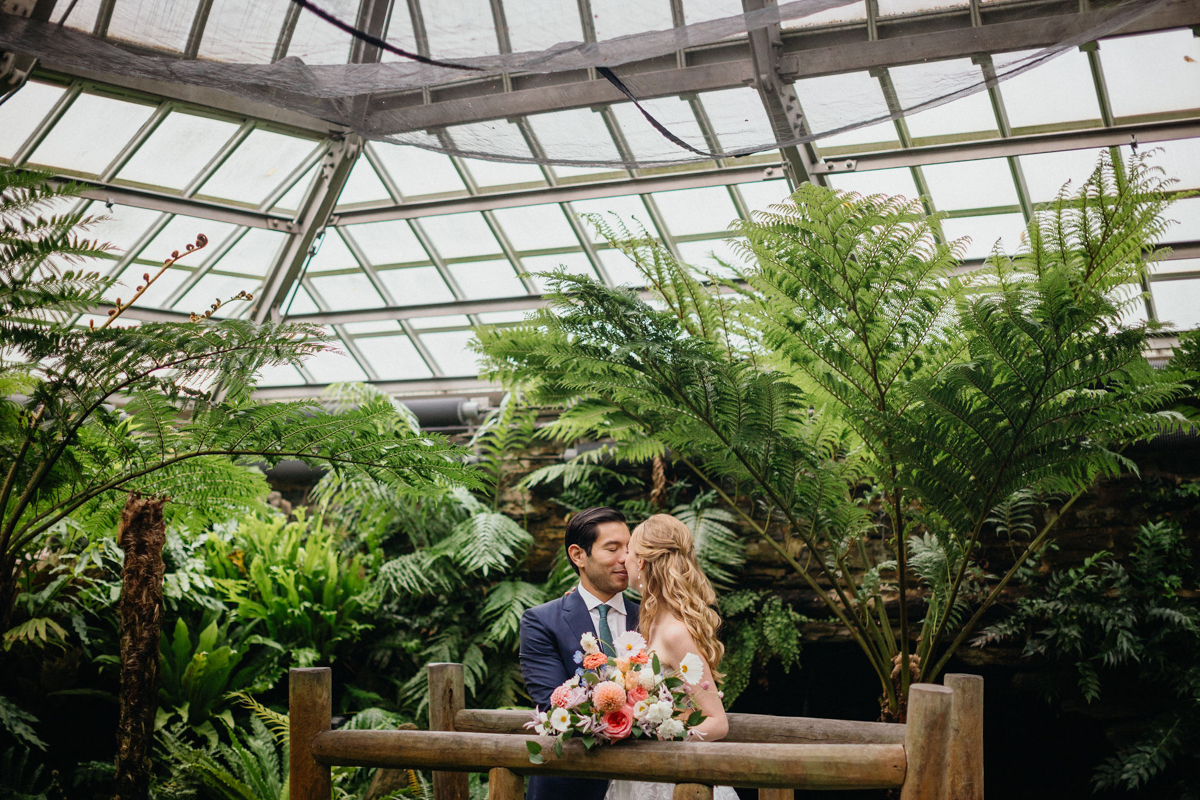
401 248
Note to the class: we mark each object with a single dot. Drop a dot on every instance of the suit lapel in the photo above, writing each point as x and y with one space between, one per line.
578 619
631 615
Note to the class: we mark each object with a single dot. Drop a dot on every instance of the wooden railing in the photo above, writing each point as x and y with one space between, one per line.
936 755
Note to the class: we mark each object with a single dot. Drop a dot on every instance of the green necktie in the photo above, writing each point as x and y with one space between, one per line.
606 642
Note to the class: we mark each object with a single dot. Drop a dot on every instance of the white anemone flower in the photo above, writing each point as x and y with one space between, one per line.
589 644
640 708
691 669
560 719
629 643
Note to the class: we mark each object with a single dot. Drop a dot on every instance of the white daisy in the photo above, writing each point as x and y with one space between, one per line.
588 643
691 668
560 719
629 643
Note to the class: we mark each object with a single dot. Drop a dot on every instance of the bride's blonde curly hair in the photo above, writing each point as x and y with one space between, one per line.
672 578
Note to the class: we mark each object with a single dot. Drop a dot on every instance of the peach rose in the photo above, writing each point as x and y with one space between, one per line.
636 695
623 664
631 680
619 723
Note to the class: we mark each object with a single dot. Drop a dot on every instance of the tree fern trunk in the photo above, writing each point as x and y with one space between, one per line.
142 535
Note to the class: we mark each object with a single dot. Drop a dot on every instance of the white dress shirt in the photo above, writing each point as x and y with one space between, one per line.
616 614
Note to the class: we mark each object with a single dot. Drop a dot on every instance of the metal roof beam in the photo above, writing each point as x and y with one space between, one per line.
424 386
805 54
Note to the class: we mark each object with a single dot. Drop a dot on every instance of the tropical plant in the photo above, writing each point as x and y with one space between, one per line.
1105 622
856 356
757 627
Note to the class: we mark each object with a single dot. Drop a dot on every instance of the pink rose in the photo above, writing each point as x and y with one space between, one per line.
619 723
636 695
558 698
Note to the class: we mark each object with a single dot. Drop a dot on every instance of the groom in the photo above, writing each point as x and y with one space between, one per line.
597 543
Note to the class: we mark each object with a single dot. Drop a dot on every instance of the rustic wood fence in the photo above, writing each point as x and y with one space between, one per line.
936 755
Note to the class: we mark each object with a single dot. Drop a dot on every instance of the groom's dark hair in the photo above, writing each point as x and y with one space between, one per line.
581 530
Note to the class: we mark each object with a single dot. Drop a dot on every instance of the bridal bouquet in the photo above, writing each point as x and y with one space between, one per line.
615 697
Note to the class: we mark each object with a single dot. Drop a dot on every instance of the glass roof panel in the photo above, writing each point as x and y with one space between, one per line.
213 287
971 184
629 208
647 143
918 83
400 31
497 135
347 292
536 227
373 326
1045 173
578 130
363 186
334 366
1060 90
1180 159
301 302
449 349
418 172
281 375
761 194
985 231
254 253
703 255
318 42
615 18
1152 73
293 197
1176 265
163 26
620 268
182 231
91 134
703 10
243 32
388 242
83 14
452 321
848 13
481 280
889 8
1178 302
897 181
332 254
835 100
738 117
393 357
537 26
1186 214
258 166
459 235
501 173
574 263
125 224
704 210
23 112
1133 310
416 286
177 151
459 28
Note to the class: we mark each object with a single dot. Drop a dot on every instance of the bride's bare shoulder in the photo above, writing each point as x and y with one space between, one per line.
672 632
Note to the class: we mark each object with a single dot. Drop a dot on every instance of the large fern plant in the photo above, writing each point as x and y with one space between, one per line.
853 354
161 409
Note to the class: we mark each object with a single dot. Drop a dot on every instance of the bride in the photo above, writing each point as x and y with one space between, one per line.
676 618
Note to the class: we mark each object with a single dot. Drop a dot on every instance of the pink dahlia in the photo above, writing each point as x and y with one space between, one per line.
608 696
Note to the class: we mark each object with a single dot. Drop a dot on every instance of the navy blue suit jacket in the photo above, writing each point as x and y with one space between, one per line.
549 640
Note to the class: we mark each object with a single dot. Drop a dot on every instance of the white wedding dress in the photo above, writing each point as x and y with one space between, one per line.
642 790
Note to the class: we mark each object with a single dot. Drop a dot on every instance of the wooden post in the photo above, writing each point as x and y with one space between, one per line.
966 724
446 697
776 794
504 784
927 743
692 791
310 706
